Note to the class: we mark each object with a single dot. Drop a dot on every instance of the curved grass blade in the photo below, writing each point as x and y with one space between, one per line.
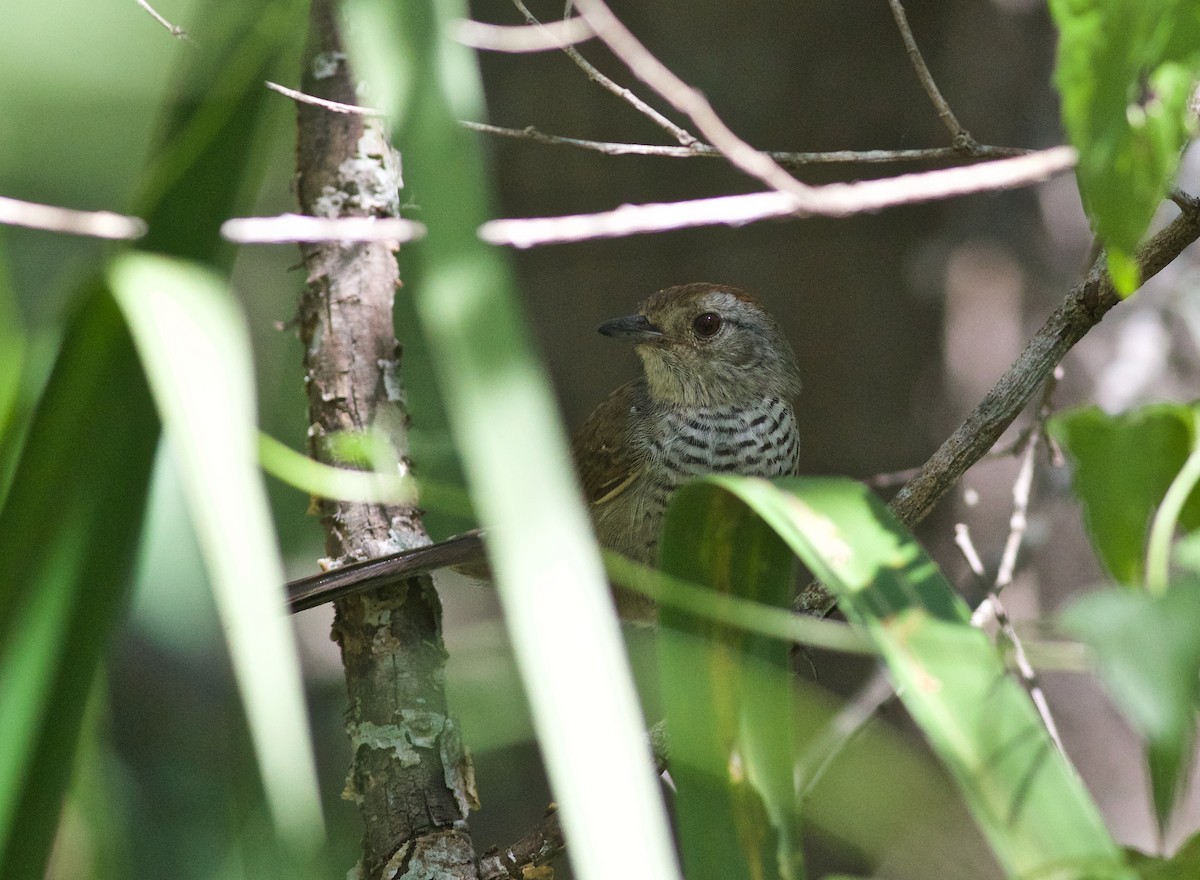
513 447
196 352
1026 798
728 695
68 534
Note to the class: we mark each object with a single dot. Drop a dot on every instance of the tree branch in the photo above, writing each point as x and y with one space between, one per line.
831 200
1079 312
541 845
409 774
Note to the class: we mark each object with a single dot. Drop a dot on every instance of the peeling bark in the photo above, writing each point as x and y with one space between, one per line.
409 775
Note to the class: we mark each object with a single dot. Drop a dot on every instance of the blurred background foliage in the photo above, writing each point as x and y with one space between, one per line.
902 321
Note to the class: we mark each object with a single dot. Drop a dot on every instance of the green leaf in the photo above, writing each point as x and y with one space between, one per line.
1148 652
73 512
195 348
68 533
12 360
728 695
514 451
1184 865
1025 797
1126 69
1123 467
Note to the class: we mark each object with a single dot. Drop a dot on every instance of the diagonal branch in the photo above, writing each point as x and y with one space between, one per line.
1079 312
962 138
410 775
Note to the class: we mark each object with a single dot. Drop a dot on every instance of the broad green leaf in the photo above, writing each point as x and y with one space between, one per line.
1123 466
1148 652
195 348
68 533
1025 797
728 695
502 415
1126 69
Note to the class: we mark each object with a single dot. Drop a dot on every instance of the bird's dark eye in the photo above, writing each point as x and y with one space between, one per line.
707 325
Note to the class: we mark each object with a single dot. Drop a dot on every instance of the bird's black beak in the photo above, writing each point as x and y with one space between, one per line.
634 327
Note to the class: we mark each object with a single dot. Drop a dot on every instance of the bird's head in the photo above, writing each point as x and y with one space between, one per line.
707 345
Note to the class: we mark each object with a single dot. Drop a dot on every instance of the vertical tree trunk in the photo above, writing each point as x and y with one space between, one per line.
409 774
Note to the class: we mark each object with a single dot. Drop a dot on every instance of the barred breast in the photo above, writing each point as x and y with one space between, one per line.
758 441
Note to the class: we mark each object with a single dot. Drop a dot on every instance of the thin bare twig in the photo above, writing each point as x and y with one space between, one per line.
96 224
962 137
686 100
840 731
1023 484
992 609
335 106
832 200
788 159
175 30
680 134
309 592
292 228
891 478
522 38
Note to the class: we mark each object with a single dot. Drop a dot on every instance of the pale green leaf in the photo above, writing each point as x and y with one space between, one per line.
195 348
502 415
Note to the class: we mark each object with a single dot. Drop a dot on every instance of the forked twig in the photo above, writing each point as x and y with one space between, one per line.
993 609
682 135
962 138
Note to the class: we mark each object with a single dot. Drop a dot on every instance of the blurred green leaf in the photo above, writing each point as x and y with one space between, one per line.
1023 794
1148 652
74 510
370 486
206 162
1126 69
1123 467
728 694
195 348
12 359
502 414
777 623
68 530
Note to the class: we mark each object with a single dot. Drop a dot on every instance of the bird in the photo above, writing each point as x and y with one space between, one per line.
715 396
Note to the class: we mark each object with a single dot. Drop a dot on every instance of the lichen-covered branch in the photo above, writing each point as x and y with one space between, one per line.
409 774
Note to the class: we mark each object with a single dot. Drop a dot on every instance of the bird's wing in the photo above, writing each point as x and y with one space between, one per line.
607 454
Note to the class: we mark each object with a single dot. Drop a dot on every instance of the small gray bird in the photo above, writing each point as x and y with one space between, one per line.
715 397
